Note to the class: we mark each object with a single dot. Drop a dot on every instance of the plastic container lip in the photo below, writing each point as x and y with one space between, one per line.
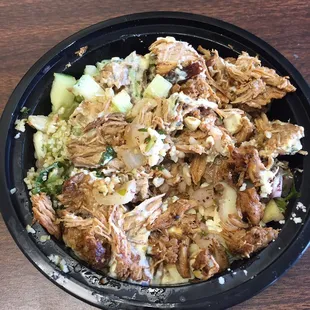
116 294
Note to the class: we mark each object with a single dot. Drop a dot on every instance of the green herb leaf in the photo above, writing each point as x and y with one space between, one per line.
99 174
203 233
108 155
161 131
281 203
50 179
79 98
25 111
142 129
293 193
150 144
147 140
158 167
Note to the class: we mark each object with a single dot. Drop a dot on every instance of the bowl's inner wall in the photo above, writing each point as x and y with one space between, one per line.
120 43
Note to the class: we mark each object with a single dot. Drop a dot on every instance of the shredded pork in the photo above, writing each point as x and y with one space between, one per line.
168 164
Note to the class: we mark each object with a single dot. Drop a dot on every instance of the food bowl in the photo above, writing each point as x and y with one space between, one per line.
119 37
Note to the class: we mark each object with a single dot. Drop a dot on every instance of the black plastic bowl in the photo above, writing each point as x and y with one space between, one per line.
119 37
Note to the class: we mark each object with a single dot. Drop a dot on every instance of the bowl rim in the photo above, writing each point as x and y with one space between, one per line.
19 234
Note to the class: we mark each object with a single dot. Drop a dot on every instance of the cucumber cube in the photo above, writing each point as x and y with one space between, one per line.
87 87
159 87
60 94
121 102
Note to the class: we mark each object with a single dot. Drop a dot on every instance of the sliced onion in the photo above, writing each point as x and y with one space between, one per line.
227 202
131 158
204 196
277 186
133 136
122 196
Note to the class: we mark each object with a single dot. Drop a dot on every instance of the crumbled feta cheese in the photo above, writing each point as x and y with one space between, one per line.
245 272
301 206
297 220
58 261
20 124
63 266
192 123
268 134
243 187
174 199
30 230
205 184
54 259
234 273
293 214
13 191
17 136
233 123
265 179
221 280
192 141
44 238
282 222
158 181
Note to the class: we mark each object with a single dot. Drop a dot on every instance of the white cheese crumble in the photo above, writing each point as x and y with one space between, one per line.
205 184
268 134
54 259
158 181
63 266
221 280
20 124
44 238
265 179
282 222
13 191
297 220
58 261
301 206
233 123
17 136
243 187
245 272
30 230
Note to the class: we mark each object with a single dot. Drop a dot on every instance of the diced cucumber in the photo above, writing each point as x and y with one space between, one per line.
60 95
38 141
159 87
87 87
91 70
272 212
121 102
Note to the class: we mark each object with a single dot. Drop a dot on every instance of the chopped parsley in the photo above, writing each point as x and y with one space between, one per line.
107 156
142 129
283 202
161 131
